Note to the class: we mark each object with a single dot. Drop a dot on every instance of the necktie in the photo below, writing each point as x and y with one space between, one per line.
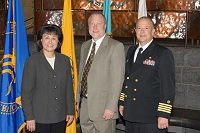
86 70
139 53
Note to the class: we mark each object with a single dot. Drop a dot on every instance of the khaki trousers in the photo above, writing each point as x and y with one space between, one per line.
88 126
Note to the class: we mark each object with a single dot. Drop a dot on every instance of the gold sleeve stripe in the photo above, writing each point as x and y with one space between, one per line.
165 108
122 97
164 104
122 94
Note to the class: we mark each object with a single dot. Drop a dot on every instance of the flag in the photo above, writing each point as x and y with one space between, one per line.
15 53
142 10
107 14
68 49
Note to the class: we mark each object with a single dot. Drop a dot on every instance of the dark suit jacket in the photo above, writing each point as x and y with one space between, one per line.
149 85
47 94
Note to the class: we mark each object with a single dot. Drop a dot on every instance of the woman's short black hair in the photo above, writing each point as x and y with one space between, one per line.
50 28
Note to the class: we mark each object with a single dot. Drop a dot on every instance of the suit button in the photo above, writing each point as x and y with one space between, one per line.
56 98
134 99
56 110
127 78
168 101
135 89
136 80
126 86
54 76
54 87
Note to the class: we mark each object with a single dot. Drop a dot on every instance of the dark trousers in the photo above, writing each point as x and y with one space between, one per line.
50 128
133 127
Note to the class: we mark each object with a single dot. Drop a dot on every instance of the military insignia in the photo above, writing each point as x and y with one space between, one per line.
166 108
149 62
122 96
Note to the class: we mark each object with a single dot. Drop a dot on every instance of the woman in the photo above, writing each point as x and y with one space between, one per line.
47 94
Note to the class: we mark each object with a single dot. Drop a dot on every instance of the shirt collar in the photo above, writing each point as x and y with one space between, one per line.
98 42
145 46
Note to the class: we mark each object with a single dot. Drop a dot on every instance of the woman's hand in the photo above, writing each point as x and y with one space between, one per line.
30 125
69 119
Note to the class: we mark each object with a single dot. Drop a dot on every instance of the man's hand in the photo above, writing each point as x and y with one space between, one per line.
30 125
108 114
162 123
121 110
69 119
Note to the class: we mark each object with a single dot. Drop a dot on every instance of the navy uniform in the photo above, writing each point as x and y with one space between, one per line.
149 85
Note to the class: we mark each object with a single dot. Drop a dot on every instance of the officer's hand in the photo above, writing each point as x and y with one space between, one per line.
162 123
121 110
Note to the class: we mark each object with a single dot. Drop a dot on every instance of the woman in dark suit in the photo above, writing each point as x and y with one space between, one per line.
47 94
